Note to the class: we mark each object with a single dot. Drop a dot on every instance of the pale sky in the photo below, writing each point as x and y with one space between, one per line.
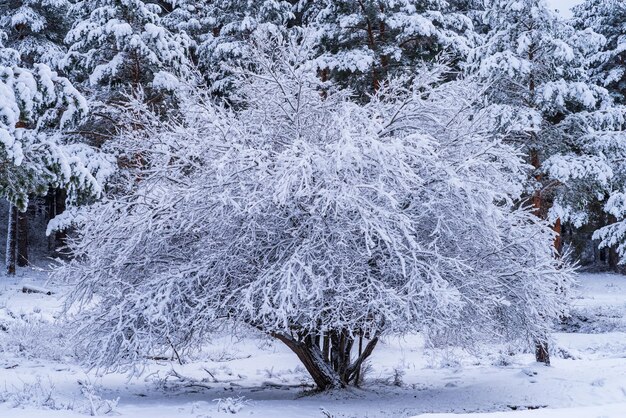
563 6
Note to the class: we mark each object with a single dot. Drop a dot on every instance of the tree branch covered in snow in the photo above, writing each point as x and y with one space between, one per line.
36 104
308 216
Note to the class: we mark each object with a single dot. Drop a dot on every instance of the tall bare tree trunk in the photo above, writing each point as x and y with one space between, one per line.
11 250
22 239
613 257
558 239
55 201
542 355
61 195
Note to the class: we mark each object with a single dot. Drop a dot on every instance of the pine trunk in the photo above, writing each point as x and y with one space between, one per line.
558 240
22 239
541 352
613 257
55 201
11 250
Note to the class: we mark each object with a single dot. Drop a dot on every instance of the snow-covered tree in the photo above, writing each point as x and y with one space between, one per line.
315 220
359 43
220 30
535 64
117 43
36 29
35 103
364 42
608 66
194 17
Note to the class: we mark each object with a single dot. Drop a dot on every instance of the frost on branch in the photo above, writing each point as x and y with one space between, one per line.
317 221
123 42
34 105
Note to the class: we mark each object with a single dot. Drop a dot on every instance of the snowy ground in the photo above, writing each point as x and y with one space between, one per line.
39 375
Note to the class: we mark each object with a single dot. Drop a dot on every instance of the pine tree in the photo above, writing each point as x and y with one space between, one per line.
119 43
220 30
364 42
608 66
36 103
36 29
535 66
194 17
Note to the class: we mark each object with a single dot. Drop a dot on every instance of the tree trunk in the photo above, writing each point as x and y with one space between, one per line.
540 209
613 257
55 201
61 195
326 347
336 371
311 357
22 239
11 250
558 239
357 373
541 352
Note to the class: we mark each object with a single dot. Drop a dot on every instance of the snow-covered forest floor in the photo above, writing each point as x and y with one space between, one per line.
40 375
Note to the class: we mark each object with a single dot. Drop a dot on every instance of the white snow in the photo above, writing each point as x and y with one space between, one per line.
40 377
564 6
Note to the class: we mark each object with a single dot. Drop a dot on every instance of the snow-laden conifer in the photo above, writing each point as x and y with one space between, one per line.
363 42
36 29
35 104
535 65
607 66
123 42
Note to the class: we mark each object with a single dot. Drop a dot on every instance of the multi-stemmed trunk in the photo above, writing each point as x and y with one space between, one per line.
328 356
542 355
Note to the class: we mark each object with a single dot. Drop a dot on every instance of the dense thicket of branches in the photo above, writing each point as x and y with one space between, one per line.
310 217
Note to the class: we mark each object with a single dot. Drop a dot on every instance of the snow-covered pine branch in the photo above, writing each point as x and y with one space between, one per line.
117 43
316 220
36 104
36 28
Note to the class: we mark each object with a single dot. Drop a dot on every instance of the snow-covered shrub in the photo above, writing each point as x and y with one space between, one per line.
231 405
32 336
94 405
30 394
43 395
316 220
